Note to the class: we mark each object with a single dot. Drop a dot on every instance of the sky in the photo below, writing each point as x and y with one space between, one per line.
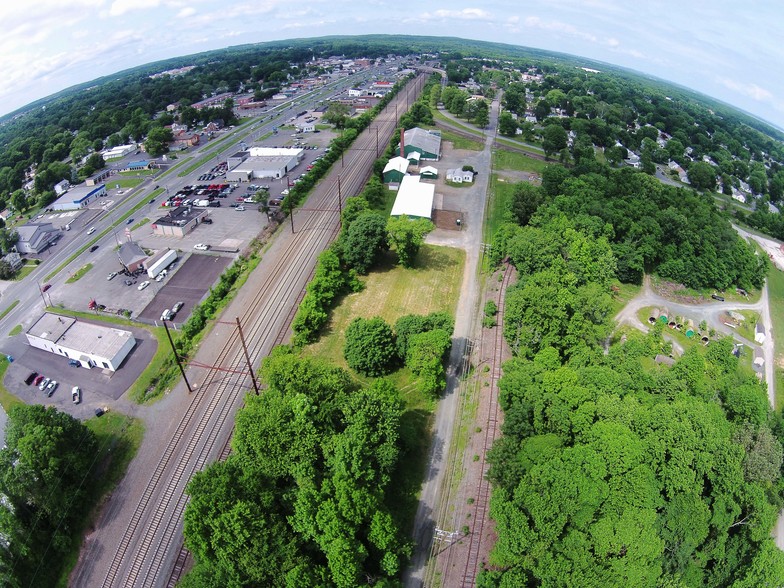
726 49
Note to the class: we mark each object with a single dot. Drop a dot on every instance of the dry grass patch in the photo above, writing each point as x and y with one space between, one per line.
392 291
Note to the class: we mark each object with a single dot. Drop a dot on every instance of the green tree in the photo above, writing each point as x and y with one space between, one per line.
553 139
702 176
425 358
370 346
507 125
157 142
406 237
365 241
336 114
43 468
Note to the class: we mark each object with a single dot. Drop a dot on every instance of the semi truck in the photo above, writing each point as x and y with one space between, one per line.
163 261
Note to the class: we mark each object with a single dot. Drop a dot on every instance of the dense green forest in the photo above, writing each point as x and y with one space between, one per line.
304 497
613 470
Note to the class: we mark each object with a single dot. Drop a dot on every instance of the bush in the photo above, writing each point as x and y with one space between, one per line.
370 346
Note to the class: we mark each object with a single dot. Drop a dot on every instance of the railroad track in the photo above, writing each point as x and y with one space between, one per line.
482 501
154 529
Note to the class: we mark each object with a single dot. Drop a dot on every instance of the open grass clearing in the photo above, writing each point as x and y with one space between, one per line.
461 142
25 271
124 183
525 145
8 309
622 294
438 115
776 302
391 292
519 162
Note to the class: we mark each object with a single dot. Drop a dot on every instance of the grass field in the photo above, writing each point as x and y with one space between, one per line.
776 302
77 275
124 183
621 295
460 142
391 292
518 162
438 115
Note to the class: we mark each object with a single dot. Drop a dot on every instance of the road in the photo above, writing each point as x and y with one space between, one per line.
433 495
139 532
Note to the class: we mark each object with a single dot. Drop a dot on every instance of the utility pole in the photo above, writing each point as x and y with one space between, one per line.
177 358
247 357
340 206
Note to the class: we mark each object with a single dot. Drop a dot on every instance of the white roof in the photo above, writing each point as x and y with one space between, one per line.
414 198
274 151
428 169
397 163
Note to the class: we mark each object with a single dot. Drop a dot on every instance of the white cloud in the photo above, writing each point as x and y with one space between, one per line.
464 14
556 26
751 90
186 12
120 7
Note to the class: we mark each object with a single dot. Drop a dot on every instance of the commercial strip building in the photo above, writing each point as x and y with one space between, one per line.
414 198
262 162
119 151
78 197
179 221
35 237
91 345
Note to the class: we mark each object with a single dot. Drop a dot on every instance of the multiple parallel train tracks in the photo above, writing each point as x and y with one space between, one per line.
150 553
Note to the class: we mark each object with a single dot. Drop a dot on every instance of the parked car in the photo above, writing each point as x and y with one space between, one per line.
207 221
51 387
201 247
99 411
128 283
161 276
74 363
177 306
44 383
717 297
143 285
76 395
111 276
38 379
167 315
240 208
29 379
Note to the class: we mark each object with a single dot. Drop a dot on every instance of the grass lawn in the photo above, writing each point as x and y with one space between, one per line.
77 275
15 331
460 142
437 114
123 182
519 162
7 400
9 308
391 292
500 194
25 271
140 224
521 144
138 172
621 295
119 438
776 302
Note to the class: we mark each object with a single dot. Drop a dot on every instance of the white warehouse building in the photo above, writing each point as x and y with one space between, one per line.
91 345
265 162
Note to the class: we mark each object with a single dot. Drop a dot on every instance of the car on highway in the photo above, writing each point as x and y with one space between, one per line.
32 376
51 387
45 287
143 285
151 201
129 221
91 230
93 249
201 247
76 395
111 276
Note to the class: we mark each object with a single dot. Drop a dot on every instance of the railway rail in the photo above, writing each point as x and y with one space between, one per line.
149 552
482 502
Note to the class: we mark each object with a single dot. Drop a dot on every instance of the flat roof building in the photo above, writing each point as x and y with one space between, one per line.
179 221
414 198
91 345
78 197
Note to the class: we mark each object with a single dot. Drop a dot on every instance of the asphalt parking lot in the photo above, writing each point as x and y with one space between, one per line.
189 284
98 386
